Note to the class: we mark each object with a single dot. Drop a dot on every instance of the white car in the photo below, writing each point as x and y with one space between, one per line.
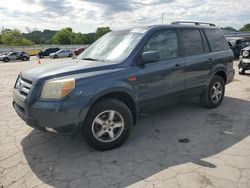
62 53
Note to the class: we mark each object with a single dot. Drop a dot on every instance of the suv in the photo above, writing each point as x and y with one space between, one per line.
47 52
15 56
101 92
244 60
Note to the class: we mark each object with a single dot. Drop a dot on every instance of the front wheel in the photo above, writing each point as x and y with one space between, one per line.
214 93
107 125
241 71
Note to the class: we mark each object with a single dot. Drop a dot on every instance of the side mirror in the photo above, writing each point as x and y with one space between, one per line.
150 56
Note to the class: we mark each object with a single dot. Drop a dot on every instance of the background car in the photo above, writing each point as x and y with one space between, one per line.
47 52
244 63
62 53
15 56
239 45
78 51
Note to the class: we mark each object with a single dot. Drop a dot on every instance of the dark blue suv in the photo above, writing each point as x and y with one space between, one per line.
102 91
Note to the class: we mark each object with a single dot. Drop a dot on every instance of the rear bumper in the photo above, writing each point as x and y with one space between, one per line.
230 76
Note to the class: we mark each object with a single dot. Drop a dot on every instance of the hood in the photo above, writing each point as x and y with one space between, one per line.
60 69
246 48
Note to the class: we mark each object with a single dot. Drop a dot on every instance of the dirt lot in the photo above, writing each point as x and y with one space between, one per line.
217 154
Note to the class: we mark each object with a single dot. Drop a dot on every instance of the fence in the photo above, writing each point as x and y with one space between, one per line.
39 47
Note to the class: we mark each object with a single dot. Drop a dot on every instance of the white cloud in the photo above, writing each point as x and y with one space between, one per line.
87 15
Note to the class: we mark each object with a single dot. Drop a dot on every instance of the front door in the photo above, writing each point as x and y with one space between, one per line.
158 81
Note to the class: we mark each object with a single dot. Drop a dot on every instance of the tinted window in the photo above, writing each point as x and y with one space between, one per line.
191 42
165 42
216 40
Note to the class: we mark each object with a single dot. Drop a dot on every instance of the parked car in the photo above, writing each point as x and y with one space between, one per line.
78 51
239 45
62 53
101 92
15 56
48 51
244 63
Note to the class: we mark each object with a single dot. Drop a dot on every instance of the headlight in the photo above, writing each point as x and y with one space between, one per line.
245 53
57 89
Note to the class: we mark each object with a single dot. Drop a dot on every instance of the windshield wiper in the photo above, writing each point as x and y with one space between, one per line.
92 59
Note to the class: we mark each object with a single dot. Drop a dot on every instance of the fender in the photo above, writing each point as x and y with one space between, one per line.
118 86
217 68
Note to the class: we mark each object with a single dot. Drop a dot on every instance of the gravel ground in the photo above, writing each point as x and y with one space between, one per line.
216 152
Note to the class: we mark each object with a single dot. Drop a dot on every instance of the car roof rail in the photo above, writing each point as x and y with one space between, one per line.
195 23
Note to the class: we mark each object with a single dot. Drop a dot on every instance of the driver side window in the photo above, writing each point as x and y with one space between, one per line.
165 42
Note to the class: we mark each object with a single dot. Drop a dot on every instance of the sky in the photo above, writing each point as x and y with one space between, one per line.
86 15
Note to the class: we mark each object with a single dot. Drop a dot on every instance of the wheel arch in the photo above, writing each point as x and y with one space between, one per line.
124 96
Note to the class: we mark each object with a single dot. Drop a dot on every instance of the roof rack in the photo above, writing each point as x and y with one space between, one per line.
196 23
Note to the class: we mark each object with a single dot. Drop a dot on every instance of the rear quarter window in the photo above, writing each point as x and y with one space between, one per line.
191 42
216 40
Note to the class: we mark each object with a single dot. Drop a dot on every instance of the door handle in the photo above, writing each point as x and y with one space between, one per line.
210 61
176 66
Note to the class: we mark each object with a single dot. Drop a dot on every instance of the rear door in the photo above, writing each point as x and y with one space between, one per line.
158 81
198 60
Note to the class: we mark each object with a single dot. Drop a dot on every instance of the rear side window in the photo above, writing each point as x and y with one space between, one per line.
191 42
165 42
216 40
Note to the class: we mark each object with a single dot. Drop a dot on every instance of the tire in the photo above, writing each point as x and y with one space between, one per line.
70 55
120 124
208 98
55 56
41 56
25 59
6 59
241 71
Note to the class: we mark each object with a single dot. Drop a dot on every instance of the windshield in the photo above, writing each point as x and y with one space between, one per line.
114 46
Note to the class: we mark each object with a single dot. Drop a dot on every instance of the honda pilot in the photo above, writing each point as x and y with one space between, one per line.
101 93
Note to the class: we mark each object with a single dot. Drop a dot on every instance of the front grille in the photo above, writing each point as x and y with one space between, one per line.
23 86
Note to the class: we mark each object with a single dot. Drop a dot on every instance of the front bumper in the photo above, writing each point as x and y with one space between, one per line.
244 63
57 116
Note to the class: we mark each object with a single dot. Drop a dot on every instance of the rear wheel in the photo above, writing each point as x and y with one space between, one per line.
107 124
55 56
214 93
70 55
41 56
6 59
25 59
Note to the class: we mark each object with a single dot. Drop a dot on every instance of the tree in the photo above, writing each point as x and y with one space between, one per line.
100 31
67 36
245 27
229 28
63 36
14 38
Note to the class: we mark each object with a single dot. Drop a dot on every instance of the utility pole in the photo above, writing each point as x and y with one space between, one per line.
162 17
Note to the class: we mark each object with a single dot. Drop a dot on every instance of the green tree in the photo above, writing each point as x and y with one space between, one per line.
63 36
245 27
14 38
229 28
100 31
